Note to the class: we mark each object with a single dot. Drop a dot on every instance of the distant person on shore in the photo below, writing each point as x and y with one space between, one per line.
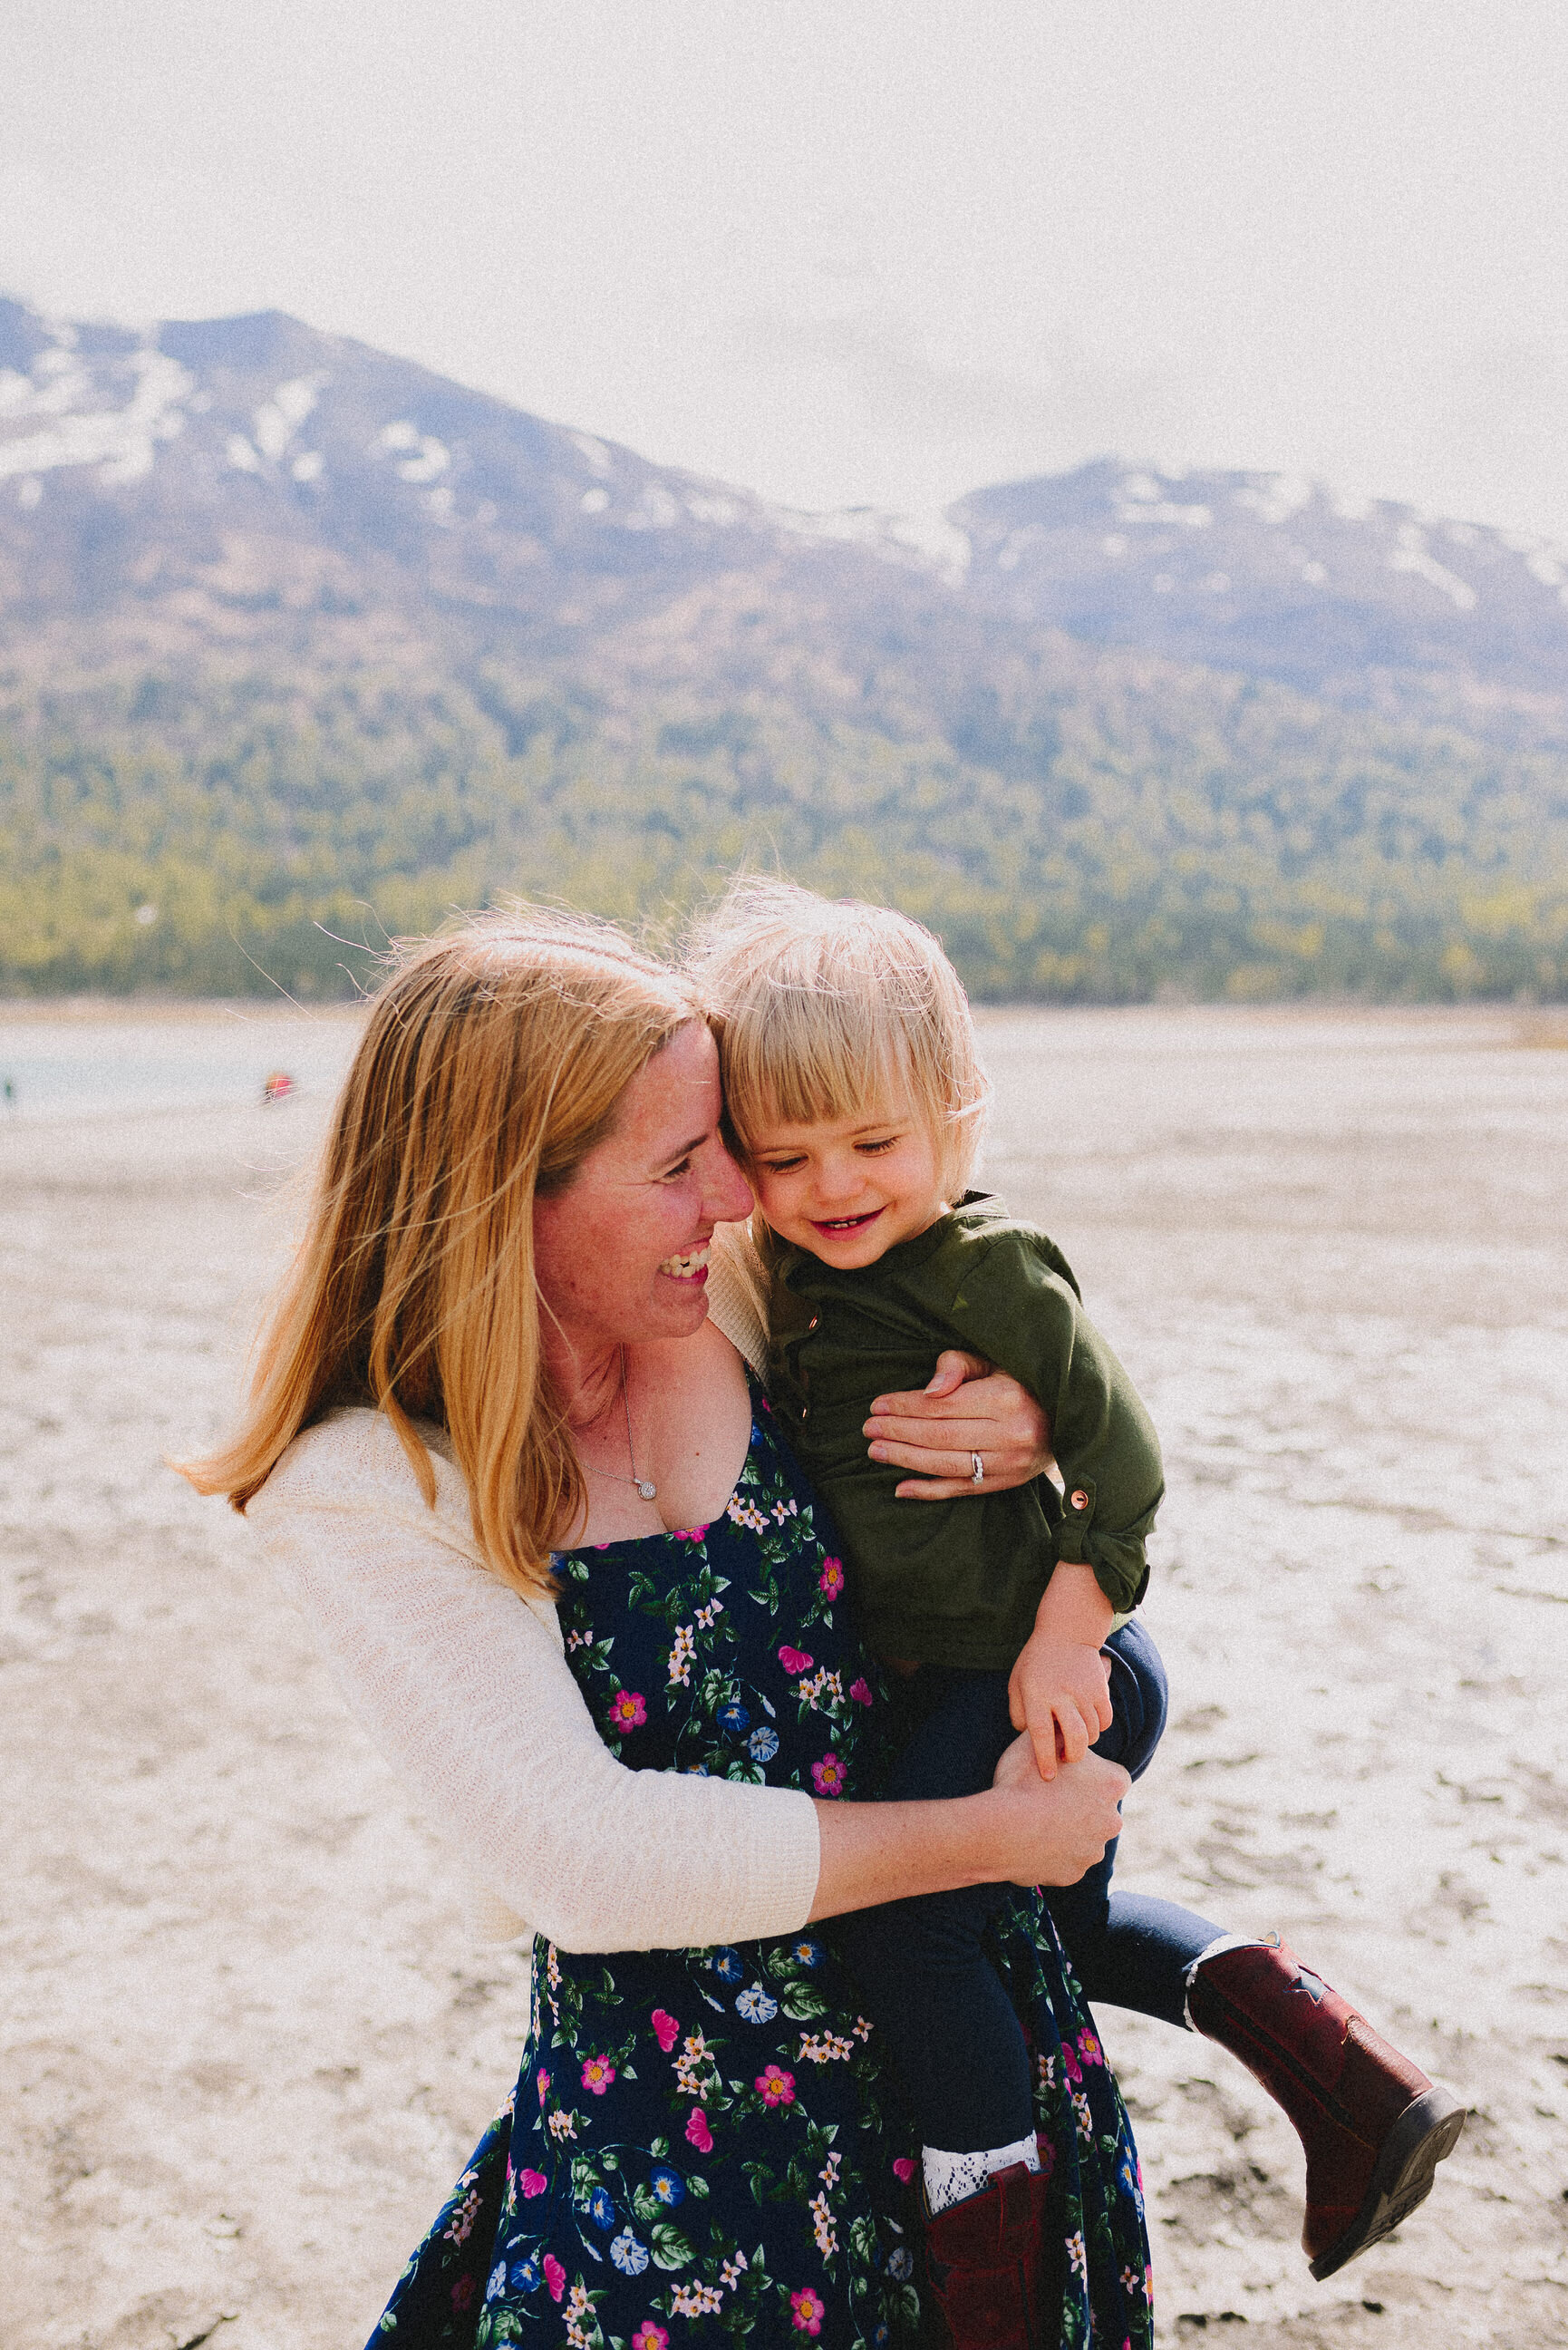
574 1583
276 1087
853 1085
9 1091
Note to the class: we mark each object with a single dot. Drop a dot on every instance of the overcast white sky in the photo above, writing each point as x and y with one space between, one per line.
848 251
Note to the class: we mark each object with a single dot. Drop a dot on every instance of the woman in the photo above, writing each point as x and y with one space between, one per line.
490 1380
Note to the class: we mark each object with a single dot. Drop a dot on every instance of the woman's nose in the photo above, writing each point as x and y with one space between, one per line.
727 1195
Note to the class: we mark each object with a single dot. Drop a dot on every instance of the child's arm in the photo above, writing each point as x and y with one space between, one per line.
1059 1690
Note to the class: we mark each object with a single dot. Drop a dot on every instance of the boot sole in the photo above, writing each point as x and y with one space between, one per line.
1424 2134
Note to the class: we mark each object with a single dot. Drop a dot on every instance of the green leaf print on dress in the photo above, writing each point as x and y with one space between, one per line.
705 2146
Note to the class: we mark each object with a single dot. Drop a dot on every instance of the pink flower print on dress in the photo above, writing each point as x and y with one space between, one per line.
831 1579
533 2182
698 2131
828 1776
776 2086
904 2168
555 2276
627 1710
666 2028
861 1691
692 1534
649 2336
809 2308
462 2291
1070 2064
598 2074
541 2085
1089 2049
795 1660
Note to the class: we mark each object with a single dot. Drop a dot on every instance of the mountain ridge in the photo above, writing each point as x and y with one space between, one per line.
289 627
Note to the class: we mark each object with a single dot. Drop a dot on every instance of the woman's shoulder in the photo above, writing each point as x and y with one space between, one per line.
353 1460
738 1291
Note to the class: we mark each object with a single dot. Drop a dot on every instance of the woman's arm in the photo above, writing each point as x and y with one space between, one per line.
964 1408
464 1688
464 1691
1016 1834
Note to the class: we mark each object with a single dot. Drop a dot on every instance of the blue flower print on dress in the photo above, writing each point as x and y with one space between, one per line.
629 2255
705 2149
497 2285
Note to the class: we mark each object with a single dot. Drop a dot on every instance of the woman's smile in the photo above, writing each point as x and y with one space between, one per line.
691 1266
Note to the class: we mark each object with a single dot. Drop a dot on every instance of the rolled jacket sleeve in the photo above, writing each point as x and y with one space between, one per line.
1020 1308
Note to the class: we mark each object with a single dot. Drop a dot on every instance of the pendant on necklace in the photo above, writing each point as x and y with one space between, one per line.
647 1488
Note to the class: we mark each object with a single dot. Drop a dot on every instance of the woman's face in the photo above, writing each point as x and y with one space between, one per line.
621 1254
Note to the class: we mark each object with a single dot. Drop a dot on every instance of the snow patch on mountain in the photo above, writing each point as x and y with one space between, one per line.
929 541
421 458
48 419
1413 555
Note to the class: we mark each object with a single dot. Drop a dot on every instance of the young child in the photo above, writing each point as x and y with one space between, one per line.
856 1098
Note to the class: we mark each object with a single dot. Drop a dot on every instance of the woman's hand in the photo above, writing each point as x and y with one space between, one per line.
966 1407
1056 1843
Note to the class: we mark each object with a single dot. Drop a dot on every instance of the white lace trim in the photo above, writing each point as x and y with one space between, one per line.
954 2177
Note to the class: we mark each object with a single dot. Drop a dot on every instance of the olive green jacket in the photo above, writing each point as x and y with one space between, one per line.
957 1583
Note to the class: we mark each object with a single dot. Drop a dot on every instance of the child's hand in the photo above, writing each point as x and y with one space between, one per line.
1060 1693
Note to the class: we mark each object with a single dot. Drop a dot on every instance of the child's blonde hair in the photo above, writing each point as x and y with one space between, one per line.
822 1008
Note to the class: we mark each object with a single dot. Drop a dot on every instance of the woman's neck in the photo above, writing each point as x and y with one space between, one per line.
588 1380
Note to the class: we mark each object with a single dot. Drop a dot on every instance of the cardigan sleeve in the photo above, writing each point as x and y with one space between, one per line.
462 1685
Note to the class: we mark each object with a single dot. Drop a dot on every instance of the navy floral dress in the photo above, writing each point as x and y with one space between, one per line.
707 2145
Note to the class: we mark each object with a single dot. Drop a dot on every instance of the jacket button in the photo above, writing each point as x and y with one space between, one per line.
1080 1500
814 1321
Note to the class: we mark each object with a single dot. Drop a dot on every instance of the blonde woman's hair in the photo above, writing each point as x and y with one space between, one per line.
821 1009
494 1060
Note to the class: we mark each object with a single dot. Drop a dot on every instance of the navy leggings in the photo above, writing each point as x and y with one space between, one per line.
929 1985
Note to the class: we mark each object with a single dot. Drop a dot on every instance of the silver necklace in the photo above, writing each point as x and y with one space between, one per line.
645 1486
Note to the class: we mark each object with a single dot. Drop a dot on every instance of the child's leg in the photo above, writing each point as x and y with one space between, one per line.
929 1988
1130 1950
1373 2125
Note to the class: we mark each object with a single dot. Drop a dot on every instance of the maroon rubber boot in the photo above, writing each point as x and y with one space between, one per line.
985 2260
1374 2128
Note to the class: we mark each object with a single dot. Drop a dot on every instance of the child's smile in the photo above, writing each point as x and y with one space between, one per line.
848 1188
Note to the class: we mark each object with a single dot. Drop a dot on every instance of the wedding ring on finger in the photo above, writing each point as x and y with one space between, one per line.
978 1470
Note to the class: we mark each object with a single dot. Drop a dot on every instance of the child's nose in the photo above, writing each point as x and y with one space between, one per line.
838 1179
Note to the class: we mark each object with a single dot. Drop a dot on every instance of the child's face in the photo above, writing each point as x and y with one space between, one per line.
848 1188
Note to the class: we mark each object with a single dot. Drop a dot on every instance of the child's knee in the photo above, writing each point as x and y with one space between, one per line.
1140 1700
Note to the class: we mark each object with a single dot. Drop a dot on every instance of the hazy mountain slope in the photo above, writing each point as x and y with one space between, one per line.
293 634
1276 577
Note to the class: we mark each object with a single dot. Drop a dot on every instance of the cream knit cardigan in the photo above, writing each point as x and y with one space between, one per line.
464 1687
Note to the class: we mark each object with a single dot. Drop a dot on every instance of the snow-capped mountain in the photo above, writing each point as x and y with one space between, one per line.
1270 573
217 472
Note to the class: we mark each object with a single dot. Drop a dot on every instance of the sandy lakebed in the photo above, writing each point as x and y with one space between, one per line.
248 2044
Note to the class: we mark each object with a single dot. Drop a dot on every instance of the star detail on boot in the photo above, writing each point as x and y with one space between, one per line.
1313 1985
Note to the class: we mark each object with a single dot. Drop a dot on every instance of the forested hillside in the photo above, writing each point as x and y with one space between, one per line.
301 647
1077 827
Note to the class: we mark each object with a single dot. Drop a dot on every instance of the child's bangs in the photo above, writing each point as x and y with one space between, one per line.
800 1056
